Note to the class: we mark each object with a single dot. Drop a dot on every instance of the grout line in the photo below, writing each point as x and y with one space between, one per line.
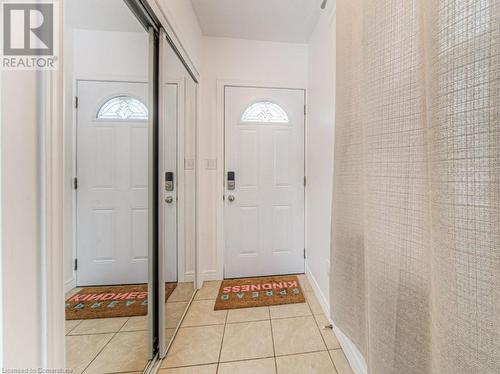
74 327
272 339
222 343
98 353
102 349
301 353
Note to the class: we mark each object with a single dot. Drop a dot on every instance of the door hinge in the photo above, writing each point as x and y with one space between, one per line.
76 102
305 181
75 183
304 253
76 265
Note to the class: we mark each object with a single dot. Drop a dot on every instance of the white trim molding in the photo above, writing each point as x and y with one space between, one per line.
51 104
352 353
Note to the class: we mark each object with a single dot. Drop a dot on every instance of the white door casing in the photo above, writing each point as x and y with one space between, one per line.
112 193
264 224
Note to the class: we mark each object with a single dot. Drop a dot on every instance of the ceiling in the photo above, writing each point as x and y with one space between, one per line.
272 20
108 15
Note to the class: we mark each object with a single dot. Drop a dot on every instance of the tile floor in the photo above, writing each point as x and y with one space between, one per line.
117 345
284 339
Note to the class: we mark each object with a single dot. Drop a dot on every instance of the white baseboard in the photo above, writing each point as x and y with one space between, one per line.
69 284
209 275
325 305
352 353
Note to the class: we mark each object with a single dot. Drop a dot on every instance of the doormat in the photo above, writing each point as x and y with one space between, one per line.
261 291
111 301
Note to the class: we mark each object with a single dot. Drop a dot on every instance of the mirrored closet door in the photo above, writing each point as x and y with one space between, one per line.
110 202
178 103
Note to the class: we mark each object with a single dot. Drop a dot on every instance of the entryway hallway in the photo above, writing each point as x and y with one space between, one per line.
282 339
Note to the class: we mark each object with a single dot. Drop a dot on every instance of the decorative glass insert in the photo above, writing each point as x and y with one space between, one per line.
123 108
264 111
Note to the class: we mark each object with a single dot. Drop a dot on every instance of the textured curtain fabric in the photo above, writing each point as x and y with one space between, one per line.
416 208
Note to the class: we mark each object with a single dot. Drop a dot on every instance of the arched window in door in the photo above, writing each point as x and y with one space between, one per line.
123 108
264 111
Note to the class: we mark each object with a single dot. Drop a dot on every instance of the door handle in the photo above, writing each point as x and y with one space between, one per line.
169 199
230 198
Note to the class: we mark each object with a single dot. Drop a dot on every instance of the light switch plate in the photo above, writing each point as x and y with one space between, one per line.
189 164
211 164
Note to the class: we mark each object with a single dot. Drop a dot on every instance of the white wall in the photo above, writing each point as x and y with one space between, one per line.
21 244
93 54
320 133
265 63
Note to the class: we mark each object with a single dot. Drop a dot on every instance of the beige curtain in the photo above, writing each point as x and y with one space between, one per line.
416 208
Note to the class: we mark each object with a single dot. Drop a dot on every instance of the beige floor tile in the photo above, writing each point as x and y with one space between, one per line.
169 334
99 326
204 369
183 292
310 363
261 366
296 335
248 314
127 351
314 303
201 313
247 340
340 361
173 313
304 282
139 323
71 324
209 291
290 310
328 334
195 346
82 349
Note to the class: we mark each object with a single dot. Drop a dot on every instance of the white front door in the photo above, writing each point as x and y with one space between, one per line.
264 213
112 191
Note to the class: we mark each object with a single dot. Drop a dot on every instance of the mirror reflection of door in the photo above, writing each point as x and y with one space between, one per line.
108 122
112 193
179 200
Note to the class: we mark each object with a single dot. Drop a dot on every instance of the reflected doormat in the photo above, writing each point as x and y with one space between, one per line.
261 291
111 301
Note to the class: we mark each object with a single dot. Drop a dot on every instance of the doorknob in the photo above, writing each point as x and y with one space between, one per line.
169 199
230 198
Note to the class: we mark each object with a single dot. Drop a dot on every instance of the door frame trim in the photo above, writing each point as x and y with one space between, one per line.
220 108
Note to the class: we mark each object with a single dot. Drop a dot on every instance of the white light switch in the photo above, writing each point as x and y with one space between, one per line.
189 164
211 164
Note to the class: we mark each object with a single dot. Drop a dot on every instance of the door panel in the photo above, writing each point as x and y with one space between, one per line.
112 194
264 223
